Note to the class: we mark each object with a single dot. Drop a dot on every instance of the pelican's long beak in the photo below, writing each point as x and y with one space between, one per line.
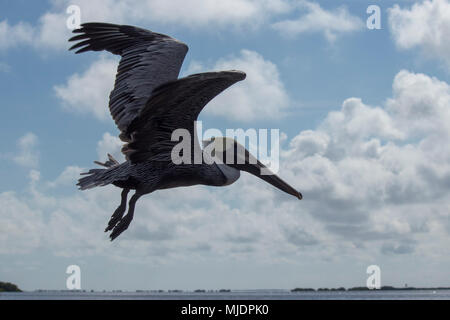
229 149
257 169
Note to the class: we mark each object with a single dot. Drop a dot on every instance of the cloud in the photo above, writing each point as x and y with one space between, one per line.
51 31
403 248
27 154
260 96
21 227
66 178
420 104
88 93
425 25
112 145
11 36
372 188
379 173
316 19
224 13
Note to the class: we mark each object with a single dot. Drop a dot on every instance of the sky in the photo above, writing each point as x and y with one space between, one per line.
364 120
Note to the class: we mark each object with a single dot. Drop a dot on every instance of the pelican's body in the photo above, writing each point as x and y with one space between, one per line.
155 175
148 103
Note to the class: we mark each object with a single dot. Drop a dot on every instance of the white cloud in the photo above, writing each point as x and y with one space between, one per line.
421 104
67 178
359 121
27 154
368 182
260 96
426 25
316 19
51 31
21 227
112 145
88 93
11 36
207 13
372 190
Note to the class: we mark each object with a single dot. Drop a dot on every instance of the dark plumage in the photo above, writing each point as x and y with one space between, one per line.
149 59
148 103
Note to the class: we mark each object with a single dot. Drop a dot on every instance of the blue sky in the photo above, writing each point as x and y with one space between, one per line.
364 113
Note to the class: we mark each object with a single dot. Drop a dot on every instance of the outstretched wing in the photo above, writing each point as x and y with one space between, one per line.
174 105
149 59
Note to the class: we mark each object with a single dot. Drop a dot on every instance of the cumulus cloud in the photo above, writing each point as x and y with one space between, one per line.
380 173
88 93
51 29
240 12
112 145
260 96
425 25
226 13
21 226
51 32
27 154
420 104
66 178
372 188
316 19
13 35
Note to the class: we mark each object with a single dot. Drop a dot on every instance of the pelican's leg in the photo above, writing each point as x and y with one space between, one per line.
125 221
118 214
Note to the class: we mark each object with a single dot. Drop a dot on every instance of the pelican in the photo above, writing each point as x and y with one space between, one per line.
148 103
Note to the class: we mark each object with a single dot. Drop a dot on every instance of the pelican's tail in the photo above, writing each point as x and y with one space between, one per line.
99 177
94 178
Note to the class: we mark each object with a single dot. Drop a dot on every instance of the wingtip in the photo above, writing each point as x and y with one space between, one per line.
242 75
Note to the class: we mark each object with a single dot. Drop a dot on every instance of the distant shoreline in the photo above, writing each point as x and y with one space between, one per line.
367 289
200 291
9 287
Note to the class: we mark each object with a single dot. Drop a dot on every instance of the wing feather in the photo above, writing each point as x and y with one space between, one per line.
172 106
149 59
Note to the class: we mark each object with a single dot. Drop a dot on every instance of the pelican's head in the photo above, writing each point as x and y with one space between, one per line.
232 157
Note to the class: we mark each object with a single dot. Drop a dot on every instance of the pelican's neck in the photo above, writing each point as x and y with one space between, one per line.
228 174
231 174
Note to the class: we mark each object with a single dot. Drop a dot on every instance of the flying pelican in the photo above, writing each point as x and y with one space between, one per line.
148 103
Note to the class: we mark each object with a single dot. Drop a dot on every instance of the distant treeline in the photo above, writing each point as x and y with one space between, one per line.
366 289
9 287
179 291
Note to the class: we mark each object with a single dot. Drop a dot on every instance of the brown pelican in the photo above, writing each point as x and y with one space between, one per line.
148 103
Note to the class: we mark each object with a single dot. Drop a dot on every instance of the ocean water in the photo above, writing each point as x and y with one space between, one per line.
233 295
